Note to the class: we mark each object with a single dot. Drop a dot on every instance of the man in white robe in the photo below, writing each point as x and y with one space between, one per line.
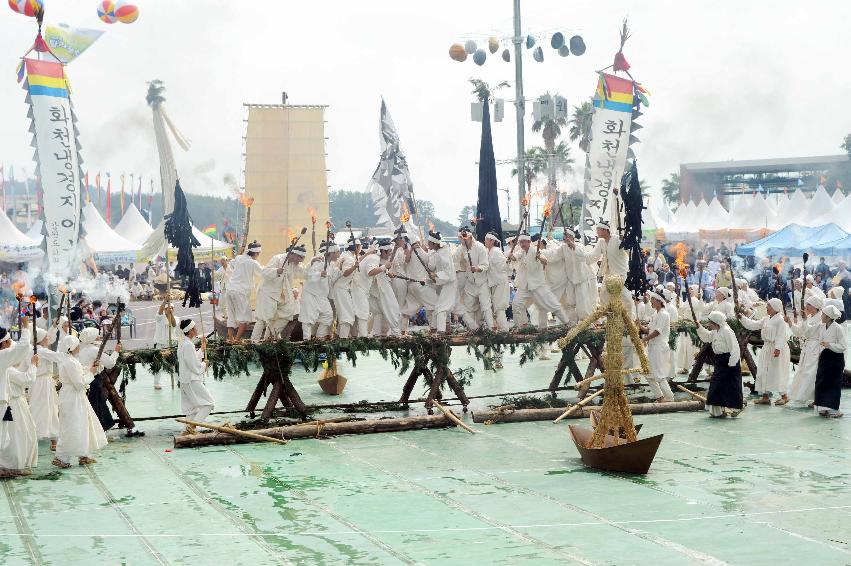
476 293
419 296
386 315
276 304
354 307
315 312
397 266
613 261
442 266
497 280
246 269
195 400
581 291
531 283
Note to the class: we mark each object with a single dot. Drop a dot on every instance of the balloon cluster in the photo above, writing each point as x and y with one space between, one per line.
459 52
27 7
110 11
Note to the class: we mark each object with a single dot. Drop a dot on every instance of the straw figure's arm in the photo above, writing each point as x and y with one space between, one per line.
635 338
598 313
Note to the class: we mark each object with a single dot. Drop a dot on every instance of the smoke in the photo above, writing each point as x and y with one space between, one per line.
102 287
231 184
129 128
202 175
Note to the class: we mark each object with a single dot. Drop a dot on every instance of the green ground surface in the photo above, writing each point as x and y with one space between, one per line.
773 486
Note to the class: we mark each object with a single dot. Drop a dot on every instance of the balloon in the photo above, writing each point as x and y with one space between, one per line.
126 13
506 55
479 57
493 44
538 54
577 45
106 11
26 7
557 40
564 51
457 52
530 41
470 46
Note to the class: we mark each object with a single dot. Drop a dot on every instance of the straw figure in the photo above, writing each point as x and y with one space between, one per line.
615 415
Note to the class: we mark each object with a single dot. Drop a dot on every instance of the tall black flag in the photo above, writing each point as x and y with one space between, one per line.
487 207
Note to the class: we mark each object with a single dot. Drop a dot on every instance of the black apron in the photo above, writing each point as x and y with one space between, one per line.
97 399
725 387
829 378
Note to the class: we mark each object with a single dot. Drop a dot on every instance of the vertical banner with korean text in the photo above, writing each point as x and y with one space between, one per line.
608 151
57 159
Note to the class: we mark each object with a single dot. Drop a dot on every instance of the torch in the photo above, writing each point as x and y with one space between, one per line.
547 208
33 301
524 219
328 227
312 212
20 297
352 237
294 241
804 285
700 265
683 273
735 289
778 286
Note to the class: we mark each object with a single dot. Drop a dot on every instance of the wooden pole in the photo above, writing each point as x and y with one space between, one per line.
692 393
314 430
231 430
527 415
451 416
578 405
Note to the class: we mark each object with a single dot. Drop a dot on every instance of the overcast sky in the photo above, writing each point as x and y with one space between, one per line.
729 80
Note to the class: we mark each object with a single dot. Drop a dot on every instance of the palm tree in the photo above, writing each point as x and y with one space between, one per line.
671 188
483 90
534 164
550 130
580 124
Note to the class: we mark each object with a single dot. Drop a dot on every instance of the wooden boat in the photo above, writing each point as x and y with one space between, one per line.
332 384
616 455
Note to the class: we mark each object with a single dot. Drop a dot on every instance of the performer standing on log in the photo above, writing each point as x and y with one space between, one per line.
831 364
445 284
80 432
240 287
497 279
276 304
315 308
382 300
356 308
725 388
476 293
773 361
196 401
531 283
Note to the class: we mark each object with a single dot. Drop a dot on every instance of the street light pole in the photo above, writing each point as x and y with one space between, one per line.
519 105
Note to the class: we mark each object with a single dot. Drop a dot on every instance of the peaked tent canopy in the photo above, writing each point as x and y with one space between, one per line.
133 226
15 246
107 247
840 214
819 205
837 197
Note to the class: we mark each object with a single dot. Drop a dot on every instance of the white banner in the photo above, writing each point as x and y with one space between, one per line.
58 161
607 155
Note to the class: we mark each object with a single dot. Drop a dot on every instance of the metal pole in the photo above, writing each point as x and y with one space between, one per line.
520 106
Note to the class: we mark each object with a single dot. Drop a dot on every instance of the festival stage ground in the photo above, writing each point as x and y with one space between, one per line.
773 486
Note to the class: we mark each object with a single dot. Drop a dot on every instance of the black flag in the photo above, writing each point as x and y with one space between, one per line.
487 207
178 233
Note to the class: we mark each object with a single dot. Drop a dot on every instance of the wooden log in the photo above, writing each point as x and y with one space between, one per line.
457 388
234 431
524 415
410 383
313 430
579 405
108 384
451 416
692 393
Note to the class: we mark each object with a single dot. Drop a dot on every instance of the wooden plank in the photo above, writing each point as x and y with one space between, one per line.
523 415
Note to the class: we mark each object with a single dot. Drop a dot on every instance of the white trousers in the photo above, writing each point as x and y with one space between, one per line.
660 388
543 298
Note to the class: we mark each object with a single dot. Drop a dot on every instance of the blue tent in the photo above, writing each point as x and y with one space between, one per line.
840 247
794 239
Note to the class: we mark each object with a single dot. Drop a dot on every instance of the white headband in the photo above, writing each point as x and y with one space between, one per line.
255 250
657 296
189 327
490 236
434 240
299 252
386 247
524 238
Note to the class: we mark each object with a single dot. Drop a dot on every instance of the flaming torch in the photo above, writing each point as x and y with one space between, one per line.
683 269
680 251
18 286
312 212
547 209
246 201
328 227
33 301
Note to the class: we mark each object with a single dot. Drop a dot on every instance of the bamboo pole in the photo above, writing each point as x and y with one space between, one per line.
451 416
692 393
231 430
579 405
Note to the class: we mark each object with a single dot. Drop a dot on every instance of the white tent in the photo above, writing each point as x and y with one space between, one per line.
793 210
210 247
739 211
15 246
819 205
760 214
133 226
715 218
107 247
839 215
34 231
837 197
683 219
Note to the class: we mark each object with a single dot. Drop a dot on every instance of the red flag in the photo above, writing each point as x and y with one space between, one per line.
97 183
108 200
88 196
838 185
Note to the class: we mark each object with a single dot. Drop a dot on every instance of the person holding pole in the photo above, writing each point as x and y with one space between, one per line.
196 401
245 269
725 388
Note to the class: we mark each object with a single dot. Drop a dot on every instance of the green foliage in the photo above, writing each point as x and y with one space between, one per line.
483 90
531 402
671 188
357 206
846 144
467 212
580 124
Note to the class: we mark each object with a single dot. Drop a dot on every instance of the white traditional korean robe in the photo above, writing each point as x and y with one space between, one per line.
44 399
497 276
315 308
80 432
195 400
476 295
532 288
419 296
772 373
659 355
809 330
382 300
446 286
240 289
19 447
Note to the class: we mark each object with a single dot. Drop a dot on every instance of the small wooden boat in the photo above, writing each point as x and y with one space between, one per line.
616 455
332 384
